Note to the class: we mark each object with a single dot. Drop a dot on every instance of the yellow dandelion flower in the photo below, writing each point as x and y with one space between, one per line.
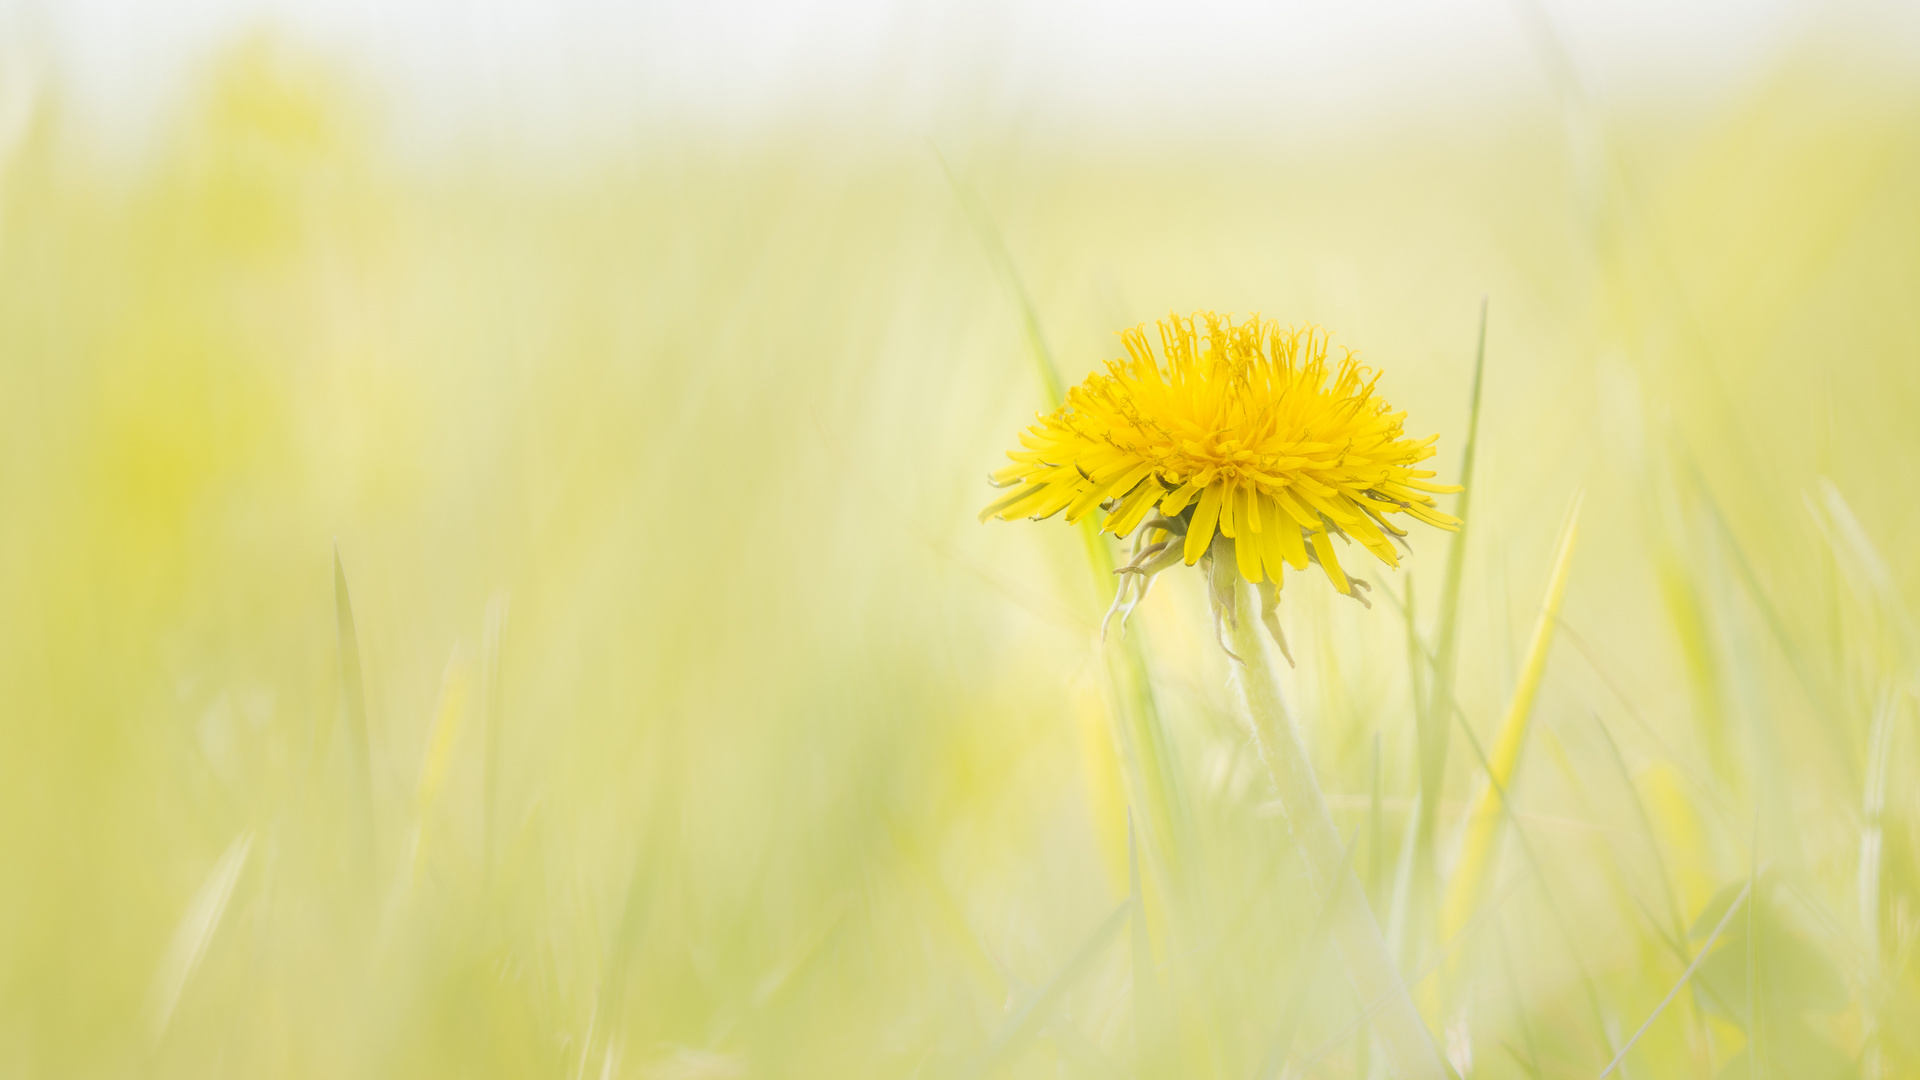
1244 447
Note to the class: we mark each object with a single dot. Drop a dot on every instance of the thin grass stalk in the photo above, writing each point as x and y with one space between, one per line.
1151 1034
1818 693
1686 975
1152 781
1433 715
1304 974
1019 1030
1555 911
1675 936
1532 1061
1402 1034
1872 843
491 637
1483 819
1419 971
448 711
353 706
195 931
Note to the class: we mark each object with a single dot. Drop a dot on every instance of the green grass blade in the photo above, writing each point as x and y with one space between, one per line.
1433 716
490 642
353 700
1816 691
1483 820
1684 976
1296 1004
1152 1031
1009 274
1026 1023
195 931
1555 911
1420 971
1532 1061
1142 733
1674 936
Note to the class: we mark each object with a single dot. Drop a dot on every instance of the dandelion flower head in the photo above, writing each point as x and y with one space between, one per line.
1240 436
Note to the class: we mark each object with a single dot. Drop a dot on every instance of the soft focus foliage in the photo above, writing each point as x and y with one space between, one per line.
707 734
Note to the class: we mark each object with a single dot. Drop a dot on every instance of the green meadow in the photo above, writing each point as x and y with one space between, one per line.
495 613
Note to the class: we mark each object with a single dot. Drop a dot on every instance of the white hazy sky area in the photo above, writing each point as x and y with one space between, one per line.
569 67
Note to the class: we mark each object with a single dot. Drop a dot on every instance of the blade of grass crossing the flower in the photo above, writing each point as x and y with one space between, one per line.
1027 1022
1433 716
1155 782
1303 976
353 704
1483 819
1002 260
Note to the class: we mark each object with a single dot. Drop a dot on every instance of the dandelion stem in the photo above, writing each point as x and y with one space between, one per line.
1403 1036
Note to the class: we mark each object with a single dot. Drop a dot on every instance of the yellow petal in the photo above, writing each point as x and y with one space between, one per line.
1323 547
1363 530
999 506
1181 496
1134 508
1299 511
1287 542
1246 553
1200 531
1100 489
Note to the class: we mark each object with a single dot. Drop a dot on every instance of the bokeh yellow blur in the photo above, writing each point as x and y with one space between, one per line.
488 618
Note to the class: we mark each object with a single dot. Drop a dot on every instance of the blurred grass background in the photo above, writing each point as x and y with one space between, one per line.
688 725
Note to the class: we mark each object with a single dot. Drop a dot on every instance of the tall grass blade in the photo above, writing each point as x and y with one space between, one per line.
1816 691
1705 948
1555 912
353 703
196 929
1142 732
1484 818
448 711
1009 274
1854 548
1532 1061
490 640
1303 976
1404 1039
1152 1027
1026 1023
1433 716
1378 1004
